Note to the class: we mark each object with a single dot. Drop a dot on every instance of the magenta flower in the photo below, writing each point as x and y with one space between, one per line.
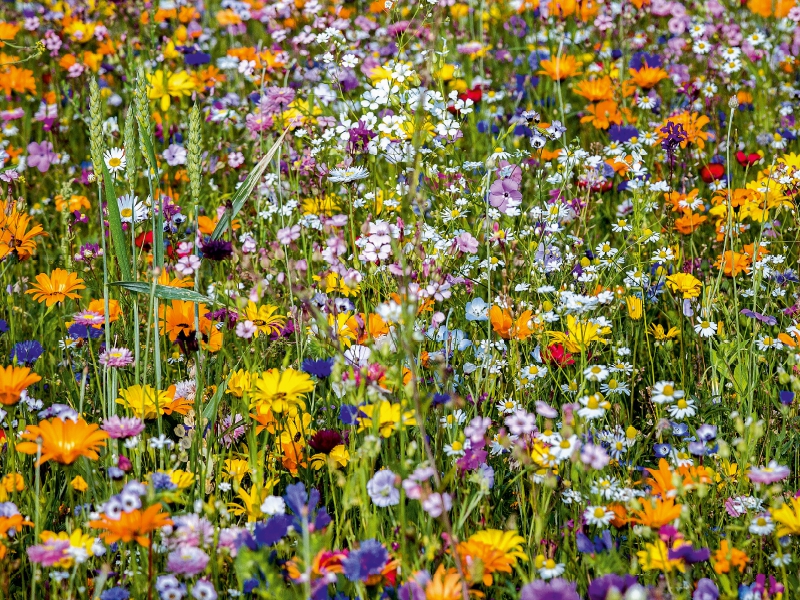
49 553
41 155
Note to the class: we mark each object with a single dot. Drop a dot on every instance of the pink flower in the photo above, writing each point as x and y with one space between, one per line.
245 329
122 427
465 242
116 358
187 560
49 553
287 235
594 456
41 156
772 473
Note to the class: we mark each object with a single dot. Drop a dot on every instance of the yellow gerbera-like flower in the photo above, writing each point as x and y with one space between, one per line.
165 85
264 318
655 557
686 284
147 404
788 516
281 391
389 416
338 457
240 382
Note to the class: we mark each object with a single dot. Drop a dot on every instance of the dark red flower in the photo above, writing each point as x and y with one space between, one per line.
747 160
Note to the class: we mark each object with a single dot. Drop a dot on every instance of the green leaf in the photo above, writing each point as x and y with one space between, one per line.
210 410
164 292
247 187
115 225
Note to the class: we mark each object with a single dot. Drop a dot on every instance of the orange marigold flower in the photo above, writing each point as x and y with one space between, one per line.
595 90
726 557
603 114
733 263
63 441
14 233
689 222
648 77
13 381
135 525
560 68
56 287
657 514
17 80
444 585
503 323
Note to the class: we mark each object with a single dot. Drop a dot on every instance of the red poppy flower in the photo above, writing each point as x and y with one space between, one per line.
557 354
747 160
712 172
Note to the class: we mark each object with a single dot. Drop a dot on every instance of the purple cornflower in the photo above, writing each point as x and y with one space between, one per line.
41 155
116 357
383 490
368 560
555 589
50 553
122 427
27 352
318 368
162 482
187 560
690 555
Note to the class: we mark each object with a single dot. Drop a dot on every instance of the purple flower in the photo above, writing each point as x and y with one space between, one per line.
175 155
555 589
786 397
122 427
368 560
216 249
689 555
504 194
26 353
768 319
706 590
116 357
601 587
277 99
187 560
301 504
287 235
270 532
383 490
204 590
41 155
318 368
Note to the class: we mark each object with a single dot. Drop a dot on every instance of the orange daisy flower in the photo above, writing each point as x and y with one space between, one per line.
560 68
135 525
13 381
56 287
63 441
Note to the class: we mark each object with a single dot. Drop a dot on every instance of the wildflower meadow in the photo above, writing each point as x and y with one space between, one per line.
399 300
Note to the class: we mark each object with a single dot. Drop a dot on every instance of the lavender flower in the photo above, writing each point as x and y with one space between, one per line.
187 560
555 589
368 560
41 156
382 489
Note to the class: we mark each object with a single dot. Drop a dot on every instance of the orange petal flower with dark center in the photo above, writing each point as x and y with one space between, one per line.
135 525
56 287
13 381
63 441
